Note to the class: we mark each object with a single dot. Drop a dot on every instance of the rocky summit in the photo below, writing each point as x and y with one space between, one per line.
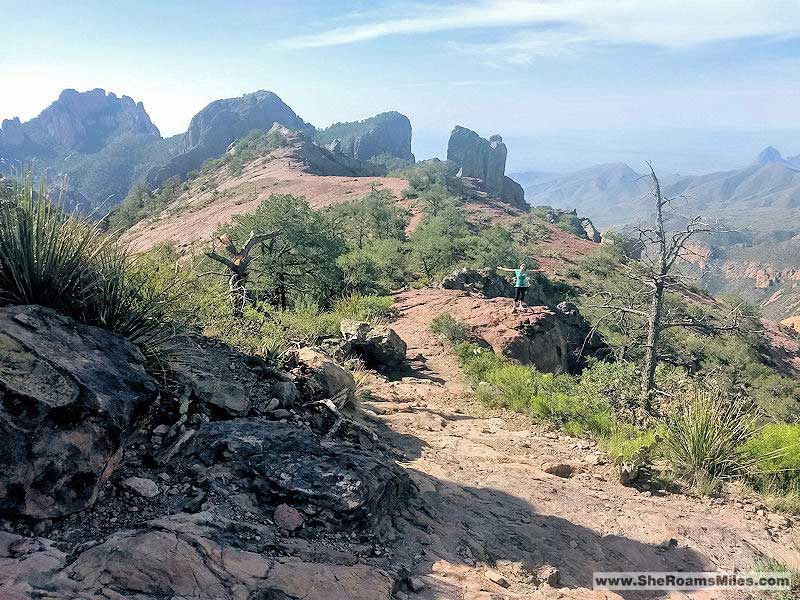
79 122
213 129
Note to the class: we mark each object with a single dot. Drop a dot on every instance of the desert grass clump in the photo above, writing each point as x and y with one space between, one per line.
453 330
704 436
775 455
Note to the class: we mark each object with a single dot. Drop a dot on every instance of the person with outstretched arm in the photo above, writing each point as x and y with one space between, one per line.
521 283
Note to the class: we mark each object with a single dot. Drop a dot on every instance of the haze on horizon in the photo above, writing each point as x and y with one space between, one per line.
568 84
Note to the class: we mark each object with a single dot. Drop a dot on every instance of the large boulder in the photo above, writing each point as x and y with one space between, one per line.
69 398
378 346
281 463
591 232
322 376
489 284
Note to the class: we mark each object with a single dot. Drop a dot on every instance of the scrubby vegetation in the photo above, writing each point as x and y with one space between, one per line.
705 436
453 330
142 203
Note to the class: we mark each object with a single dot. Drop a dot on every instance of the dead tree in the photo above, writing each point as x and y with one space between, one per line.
238 264
655 274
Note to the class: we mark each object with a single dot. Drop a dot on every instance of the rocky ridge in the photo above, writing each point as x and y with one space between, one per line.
82 122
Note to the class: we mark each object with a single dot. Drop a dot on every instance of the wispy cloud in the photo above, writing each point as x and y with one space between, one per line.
547 27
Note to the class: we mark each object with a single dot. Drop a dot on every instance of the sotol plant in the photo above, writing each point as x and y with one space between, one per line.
705 435
57 259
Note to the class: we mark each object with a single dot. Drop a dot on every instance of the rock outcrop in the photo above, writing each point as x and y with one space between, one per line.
220 123
484 160
492 285
378 346
69 398
384 138
181 556
591 233
321 160
222 383
552 338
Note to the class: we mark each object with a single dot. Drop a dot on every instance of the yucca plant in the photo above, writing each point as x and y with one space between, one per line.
47 256
63 261
705 434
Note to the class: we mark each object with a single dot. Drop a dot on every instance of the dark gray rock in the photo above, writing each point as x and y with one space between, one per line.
220 123
220 381
69 397
513 193
279 462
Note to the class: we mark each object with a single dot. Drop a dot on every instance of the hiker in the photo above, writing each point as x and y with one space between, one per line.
520 284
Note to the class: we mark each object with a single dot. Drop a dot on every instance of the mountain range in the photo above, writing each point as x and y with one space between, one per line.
102 144
615 194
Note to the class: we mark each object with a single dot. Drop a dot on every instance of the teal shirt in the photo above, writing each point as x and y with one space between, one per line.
522 278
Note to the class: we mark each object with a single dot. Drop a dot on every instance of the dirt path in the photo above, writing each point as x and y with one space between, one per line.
486 500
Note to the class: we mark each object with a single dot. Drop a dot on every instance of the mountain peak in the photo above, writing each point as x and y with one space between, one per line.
79 121
768 155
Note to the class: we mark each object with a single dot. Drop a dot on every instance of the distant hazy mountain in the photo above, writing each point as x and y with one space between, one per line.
615 194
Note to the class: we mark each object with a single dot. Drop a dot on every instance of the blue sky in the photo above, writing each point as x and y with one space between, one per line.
691 85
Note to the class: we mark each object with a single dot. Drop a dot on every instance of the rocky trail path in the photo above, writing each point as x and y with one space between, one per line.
492 523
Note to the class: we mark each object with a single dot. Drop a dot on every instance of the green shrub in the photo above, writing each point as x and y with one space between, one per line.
47 256
515 383
705 434
627 442
775 454
358 307
453 330
477 362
